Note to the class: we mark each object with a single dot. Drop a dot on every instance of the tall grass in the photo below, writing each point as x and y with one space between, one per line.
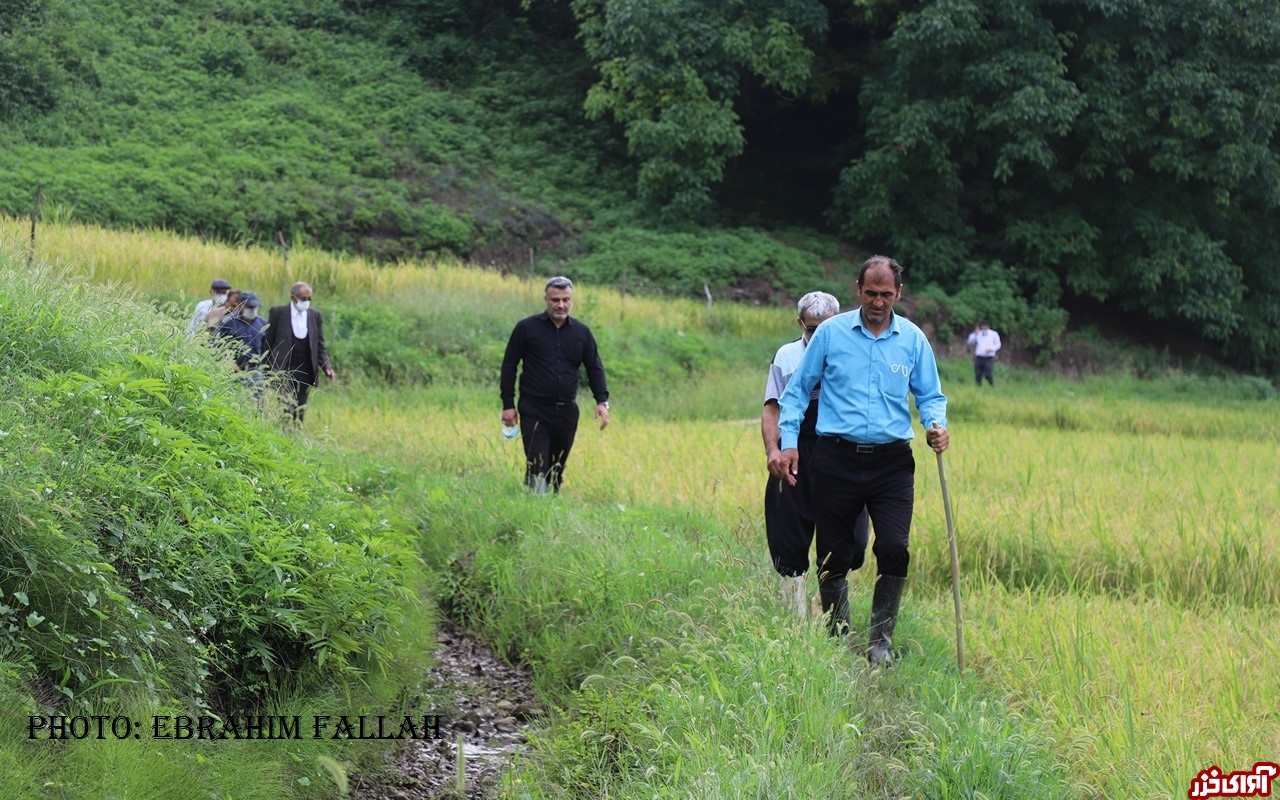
167 551
1141 692
651 626
168 265
1147 556
1117 548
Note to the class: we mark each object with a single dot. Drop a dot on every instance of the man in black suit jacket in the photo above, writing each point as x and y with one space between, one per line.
295 346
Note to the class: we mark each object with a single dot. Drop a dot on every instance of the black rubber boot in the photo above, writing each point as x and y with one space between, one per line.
884 616
835 600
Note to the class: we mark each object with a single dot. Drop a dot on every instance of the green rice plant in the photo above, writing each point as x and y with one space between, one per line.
644 625
1042 520
1116 541
1164 691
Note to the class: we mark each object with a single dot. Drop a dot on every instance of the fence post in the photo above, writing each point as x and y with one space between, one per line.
35 214
285 249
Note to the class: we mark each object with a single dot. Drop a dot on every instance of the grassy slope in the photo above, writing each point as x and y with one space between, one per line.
168 552
1092 519
248 120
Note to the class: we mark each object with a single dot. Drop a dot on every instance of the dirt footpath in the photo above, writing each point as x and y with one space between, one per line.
483 700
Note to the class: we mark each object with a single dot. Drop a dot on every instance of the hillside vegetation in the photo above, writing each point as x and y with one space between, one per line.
168 551
377 129
1046 167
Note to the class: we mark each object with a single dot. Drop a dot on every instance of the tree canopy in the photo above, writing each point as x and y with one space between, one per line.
1112 150
1023 158
1120 151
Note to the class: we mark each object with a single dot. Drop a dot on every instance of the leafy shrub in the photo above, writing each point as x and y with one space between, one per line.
990 292
682 263
158 530
400 346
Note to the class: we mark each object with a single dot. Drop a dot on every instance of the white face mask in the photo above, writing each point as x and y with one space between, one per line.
249 313
302 305
219 299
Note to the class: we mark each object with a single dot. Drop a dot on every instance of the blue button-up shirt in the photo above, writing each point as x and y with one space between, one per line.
865 382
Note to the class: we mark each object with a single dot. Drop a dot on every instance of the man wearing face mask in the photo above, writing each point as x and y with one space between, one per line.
218 292
294 341
245 326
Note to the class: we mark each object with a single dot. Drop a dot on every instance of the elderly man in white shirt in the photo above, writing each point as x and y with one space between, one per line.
788 515
295 345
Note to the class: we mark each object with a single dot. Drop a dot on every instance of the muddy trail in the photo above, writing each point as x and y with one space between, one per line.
483 702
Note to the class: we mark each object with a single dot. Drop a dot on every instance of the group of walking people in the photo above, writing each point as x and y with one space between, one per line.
837 433
290 341
836 425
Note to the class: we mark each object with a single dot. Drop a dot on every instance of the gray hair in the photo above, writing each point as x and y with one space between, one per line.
818 304
297 287
558 282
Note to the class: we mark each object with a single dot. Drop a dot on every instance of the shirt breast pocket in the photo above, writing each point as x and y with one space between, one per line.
571 351
897 379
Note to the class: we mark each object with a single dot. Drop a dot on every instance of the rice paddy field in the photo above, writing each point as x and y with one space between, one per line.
1118 541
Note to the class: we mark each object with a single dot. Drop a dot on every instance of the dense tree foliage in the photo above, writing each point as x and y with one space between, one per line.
30 72
670 71
1023 158
1038 152
1117 150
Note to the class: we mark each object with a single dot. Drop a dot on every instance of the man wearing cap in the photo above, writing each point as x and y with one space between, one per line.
549 348
218 292
245 326
294 340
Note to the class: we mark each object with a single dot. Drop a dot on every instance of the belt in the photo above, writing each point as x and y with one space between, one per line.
548 401
859 447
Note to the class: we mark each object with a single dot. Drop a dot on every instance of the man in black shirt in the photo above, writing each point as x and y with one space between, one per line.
552 346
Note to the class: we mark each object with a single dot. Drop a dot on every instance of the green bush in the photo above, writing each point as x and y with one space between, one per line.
990 292
682 263
158 530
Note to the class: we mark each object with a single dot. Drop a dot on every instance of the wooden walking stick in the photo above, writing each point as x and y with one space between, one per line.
955 560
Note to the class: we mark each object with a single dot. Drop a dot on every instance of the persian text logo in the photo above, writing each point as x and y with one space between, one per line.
1254 783
900 369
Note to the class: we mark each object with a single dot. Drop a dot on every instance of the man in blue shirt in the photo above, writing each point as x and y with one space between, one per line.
244 325
868 361
788 516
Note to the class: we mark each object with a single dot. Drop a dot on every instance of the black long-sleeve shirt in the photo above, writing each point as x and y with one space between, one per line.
551 359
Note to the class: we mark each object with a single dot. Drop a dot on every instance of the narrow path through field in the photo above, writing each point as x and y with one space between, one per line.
485 701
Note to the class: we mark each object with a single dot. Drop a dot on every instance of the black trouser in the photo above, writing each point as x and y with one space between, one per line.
788 517
984 367
296 393
844 480
548 429
299 378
